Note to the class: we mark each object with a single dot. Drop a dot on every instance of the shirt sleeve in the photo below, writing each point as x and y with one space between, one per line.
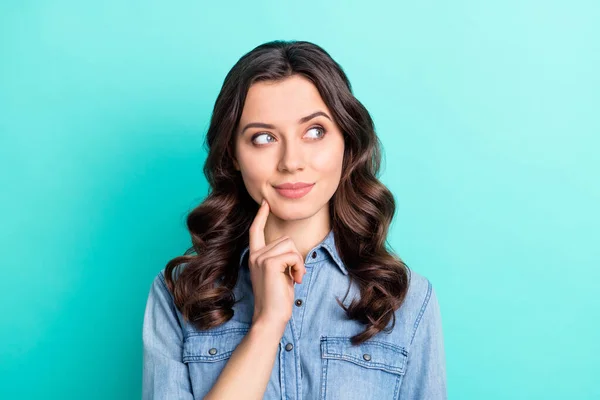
165 376
425 377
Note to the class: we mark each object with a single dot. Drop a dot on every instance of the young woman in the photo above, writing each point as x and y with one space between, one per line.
289 291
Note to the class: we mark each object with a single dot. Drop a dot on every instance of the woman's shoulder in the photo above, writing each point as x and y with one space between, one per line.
419 288
175 273
159 289
420 307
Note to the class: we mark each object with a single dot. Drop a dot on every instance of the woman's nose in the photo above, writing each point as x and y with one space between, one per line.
292 157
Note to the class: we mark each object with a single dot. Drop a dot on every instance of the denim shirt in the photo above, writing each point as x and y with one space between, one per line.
315 359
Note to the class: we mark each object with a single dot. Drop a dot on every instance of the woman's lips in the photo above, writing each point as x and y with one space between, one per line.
294 193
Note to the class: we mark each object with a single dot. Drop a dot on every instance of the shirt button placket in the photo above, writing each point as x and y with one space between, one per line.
288 363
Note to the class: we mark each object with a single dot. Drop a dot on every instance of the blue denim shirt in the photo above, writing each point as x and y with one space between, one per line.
315 359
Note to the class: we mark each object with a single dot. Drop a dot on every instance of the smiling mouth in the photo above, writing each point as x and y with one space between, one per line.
296 185
294 193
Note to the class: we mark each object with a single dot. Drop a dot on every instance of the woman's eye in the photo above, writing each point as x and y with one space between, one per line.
260 135
318 129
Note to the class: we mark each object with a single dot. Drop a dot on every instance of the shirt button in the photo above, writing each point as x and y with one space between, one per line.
299 302
314 254
367 357
212 351
289 346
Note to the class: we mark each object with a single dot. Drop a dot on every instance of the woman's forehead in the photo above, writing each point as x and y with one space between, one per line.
285 101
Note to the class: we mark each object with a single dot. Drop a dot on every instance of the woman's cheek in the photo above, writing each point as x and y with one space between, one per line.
327 162
256 183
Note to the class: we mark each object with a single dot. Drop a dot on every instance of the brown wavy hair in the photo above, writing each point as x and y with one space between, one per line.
361 209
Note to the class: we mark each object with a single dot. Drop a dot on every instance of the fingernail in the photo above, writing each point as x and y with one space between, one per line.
263 202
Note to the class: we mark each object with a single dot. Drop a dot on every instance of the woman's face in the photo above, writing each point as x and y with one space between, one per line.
275 145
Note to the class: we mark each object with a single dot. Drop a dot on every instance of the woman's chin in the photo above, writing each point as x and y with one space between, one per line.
290 212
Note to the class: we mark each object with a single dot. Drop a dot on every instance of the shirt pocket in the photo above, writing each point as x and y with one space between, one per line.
371 370
206 353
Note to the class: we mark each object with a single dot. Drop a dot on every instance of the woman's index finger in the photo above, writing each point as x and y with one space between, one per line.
257 229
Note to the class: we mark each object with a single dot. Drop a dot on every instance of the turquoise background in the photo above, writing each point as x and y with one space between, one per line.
489 117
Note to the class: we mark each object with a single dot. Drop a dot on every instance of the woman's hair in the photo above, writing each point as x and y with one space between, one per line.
361 209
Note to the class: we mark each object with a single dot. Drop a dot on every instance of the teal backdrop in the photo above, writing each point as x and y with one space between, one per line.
489 117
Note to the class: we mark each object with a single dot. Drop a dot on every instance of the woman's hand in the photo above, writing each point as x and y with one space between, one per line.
272 281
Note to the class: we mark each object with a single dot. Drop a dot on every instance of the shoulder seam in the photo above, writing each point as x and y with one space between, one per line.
164 284
170 303
422 311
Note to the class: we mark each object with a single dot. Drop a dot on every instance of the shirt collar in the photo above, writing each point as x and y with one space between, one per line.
325 250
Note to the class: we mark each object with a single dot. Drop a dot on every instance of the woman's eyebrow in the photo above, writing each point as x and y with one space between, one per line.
300 121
